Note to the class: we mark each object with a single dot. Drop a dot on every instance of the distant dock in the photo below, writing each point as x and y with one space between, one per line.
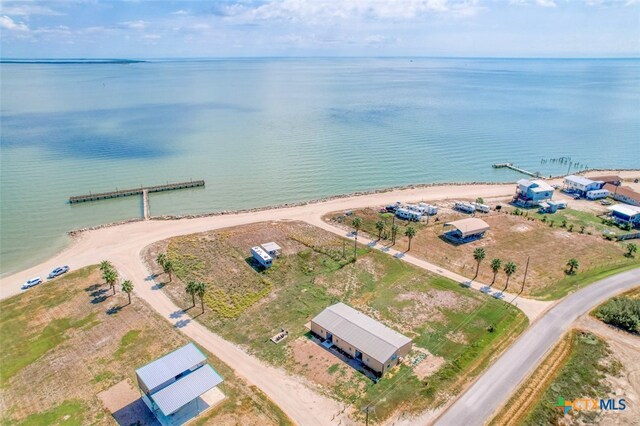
135 191
517 169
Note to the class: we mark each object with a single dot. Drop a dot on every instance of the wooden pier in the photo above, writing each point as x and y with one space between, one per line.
517 169
135 191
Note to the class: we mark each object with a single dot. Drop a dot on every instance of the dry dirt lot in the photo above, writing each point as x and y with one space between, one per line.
511 238
68 340
248 305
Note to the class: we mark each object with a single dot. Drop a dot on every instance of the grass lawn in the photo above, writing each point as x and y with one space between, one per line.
311 275
582 376
512 238
61 348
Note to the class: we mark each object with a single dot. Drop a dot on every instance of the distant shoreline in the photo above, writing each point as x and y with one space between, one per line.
70 61
76 232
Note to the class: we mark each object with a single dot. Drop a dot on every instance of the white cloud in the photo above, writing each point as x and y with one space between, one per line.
29 9
180 12
134 25
546 3
323 11
9 24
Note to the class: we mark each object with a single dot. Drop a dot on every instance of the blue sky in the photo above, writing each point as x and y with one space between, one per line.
238 28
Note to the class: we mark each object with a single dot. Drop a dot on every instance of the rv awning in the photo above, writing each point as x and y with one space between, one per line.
469 226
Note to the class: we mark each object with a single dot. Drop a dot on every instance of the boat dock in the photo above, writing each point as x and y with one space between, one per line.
135 191
517 169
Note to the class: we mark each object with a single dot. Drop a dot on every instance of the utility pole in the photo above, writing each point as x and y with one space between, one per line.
526 268
344 245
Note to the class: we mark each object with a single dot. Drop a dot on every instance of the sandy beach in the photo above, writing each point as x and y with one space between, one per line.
123 243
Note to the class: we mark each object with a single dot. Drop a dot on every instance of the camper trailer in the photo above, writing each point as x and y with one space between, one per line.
407 214
429 209
465 207
261 256
597 194
482 207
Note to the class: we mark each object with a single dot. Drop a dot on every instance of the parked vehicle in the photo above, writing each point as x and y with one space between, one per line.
605 202
58 271
32 282
391 208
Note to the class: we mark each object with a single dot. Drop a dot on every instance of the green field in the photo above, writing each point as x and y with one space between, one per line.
311 275
62 345
582 376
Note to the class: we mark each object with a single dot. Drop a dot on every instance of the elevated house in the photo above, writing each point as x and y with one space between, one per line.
361 337
179 386
623 194
530 193
465 230
581 185
625 214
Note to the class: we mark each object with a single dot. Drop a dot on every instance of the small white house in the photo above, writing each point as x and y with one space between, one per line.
261 256
597 194
407 214
272 249
465 207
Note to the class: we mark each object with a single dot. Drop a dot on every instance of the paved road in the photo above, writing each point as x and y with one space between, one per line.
477 405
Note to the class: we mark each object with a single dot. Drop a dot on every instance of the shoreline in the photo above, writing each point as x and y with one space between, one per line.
126 239
75 232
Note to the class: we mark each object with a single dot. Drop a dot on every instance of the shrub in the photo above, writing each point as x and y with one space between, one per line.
622 312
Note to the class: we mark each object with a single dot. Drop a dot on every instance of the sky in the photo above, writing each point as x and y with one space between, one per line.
299 28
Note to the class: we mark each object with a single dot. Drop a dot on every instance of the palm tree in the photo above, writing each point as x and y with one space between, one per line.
410 232
357 224
105 265
495 267
111 276
631 249
192 289
479 255
379 228
161 258
573 265
509 269
394 231
201 290
127 287
167 267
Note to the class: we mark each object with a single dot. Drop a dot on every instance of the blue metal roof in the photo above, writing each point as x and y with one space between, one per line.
187 388
169 366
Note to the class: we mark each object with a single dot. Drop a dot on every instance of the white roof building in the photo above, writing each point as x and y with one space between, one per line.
363 332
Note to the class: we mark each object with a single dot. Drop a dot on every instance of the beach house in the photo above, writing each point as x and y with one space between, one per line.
581 185
624 194
179 386
625 214
360 337
465 230
261 256
530 193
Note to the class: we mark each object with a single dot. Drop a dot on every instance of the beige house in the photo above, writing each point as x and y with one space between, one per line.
362 337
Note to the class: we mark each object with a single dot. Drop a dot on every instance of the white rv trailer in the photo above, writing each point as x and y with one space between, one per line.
261 256
407 214
465 207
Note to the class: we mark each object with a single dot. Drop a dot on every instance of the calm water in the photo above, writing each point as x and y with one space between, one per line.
270 131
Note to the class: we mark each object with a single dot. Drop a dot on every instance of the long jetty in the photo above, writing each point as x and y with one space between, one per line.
517 169
134 191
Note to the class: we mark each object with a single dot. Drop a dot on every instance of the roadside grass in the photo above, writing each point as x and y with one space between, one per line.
311 275
578 218
622 312
582 376
582 279
511 238
61 348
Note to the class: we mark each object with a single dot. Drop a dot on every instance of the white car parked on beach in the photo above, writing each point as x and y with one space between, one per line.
32 282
